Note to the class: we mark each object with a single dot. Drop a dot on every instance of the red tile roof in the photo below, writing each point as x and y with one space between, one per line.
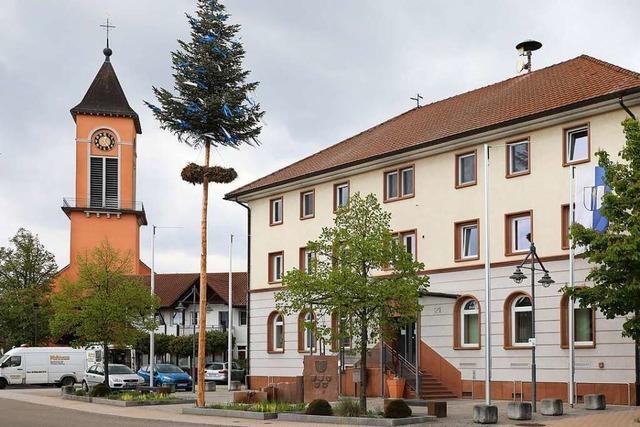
170 287
570 84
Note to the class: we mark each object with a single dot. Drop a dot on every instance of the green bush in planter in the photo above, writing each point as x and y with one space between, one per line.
348 408
319 407
397 409
100 390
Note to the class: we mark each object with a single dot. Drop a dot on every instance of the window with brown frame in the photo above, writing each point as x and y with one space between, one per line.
517 321
306 337
307 204
467 240
409 241
518 232
466 169
518 161
584 324
399 183
275 333
306 260
276 210
566 225
337 340
276 267
466 323
576 146
340 195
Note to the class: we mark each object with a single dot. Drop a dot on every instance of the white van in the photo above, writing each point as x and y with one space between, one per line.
42 365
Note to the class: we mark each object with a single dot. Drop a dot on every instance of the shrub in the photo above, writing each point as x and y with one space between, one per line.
100 390
397 409
80 392
319 407
348 408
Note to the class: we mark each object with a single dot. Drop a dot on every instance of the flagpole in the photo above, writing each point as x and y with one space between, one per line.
570 327
487 282
230 317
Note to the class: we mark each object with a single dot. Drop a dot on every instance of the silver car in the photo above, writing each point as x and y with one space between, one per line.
121 377
218 372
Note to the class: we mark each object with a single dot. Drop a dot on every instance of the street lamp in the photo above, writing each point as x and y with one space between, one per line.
36 306
518 276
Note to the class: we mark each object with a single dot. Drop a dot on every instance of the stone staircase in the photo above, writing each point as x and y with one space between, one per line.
431 388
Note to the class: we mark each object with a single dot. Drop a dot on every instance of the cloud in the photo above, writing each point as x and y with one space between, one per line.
327 69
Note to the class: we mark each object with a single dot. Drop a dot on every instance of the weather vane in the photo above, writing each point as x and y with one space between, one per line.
417 99
107 26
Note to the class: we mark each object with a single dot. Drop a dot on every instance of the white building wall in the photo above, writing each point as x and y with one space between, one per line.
616 352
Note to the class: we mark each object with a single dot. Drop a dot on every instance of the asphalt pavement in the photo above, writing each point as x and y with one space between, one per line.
14 413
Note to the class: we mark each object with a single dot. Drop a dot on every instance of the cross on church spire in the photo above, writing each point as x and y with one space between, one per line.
107 51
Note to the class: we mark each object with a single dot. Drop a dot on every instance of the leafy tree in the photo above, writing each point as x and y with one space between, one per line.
27 270
106 304
360 272
615 254
209 107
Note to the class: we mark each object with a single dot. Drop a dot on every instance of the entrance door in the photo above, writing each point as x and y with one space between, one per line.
407 343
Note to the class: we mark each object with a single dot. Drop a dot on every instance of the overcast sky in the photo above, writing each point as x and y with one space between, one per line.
327 70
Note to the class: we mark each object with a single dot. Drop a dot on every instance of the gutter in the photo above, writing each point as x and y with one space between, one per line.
248 360
625 108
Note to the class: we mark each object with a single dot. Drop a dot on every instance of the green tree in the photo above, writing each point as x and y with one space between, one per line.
27 270
210 106
105 305
360 272
615 254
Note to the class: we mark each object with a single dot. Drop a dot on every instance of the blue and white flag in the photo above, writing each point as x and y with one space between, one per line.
589 190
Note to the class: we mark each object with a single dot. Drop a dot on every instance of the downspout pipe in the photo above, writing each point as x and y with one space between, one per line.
248 360
625 108
637 341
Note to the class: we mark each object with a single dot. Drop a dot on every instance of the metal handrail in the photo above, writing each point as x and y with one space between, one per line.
403 365
110 204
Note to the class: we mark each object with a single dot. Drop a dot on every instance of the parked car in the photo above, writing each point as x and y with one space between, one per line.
218 372
42 365
168 374
121 377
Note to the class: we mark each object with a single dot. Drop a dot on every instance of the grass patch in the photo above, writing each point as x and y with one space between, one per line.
80 392
136 396
259 407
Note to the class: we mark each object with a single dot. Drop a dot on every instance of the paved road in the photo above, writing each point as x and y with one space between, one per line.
21 414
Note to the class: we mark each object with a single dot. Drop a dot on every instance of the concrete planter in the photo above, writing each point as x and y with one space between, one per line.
354 421
551 407
230 413
129 403
485 414
519 411
595 402
86 399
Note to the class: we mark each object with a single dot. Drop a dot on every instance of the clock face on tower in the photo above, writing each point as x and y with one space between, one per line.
104 140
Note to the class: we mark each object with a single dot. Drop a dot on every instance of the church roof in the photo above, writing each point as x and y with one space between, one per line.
105 96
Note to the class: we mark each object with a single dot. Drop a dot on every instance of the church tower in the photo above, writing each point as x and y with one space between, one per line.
105 205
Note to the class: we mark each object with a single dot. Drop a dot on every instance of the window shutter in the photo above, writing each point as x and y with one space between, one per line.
95 183
111 183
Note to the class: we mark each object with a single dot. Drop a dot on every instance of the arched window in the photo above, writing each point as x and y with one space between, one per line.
306 337
518 321
584 324
275 333
466 323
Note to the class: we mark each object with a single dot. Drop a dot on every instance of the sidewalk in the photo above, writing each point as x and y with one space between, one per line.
459 412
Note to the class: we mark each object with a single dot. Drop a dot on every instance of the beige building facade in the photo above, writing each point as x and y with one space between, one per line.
435 194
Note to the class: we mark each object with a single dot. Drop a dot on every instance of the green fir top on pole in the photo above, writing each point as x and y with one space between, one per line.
211 101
